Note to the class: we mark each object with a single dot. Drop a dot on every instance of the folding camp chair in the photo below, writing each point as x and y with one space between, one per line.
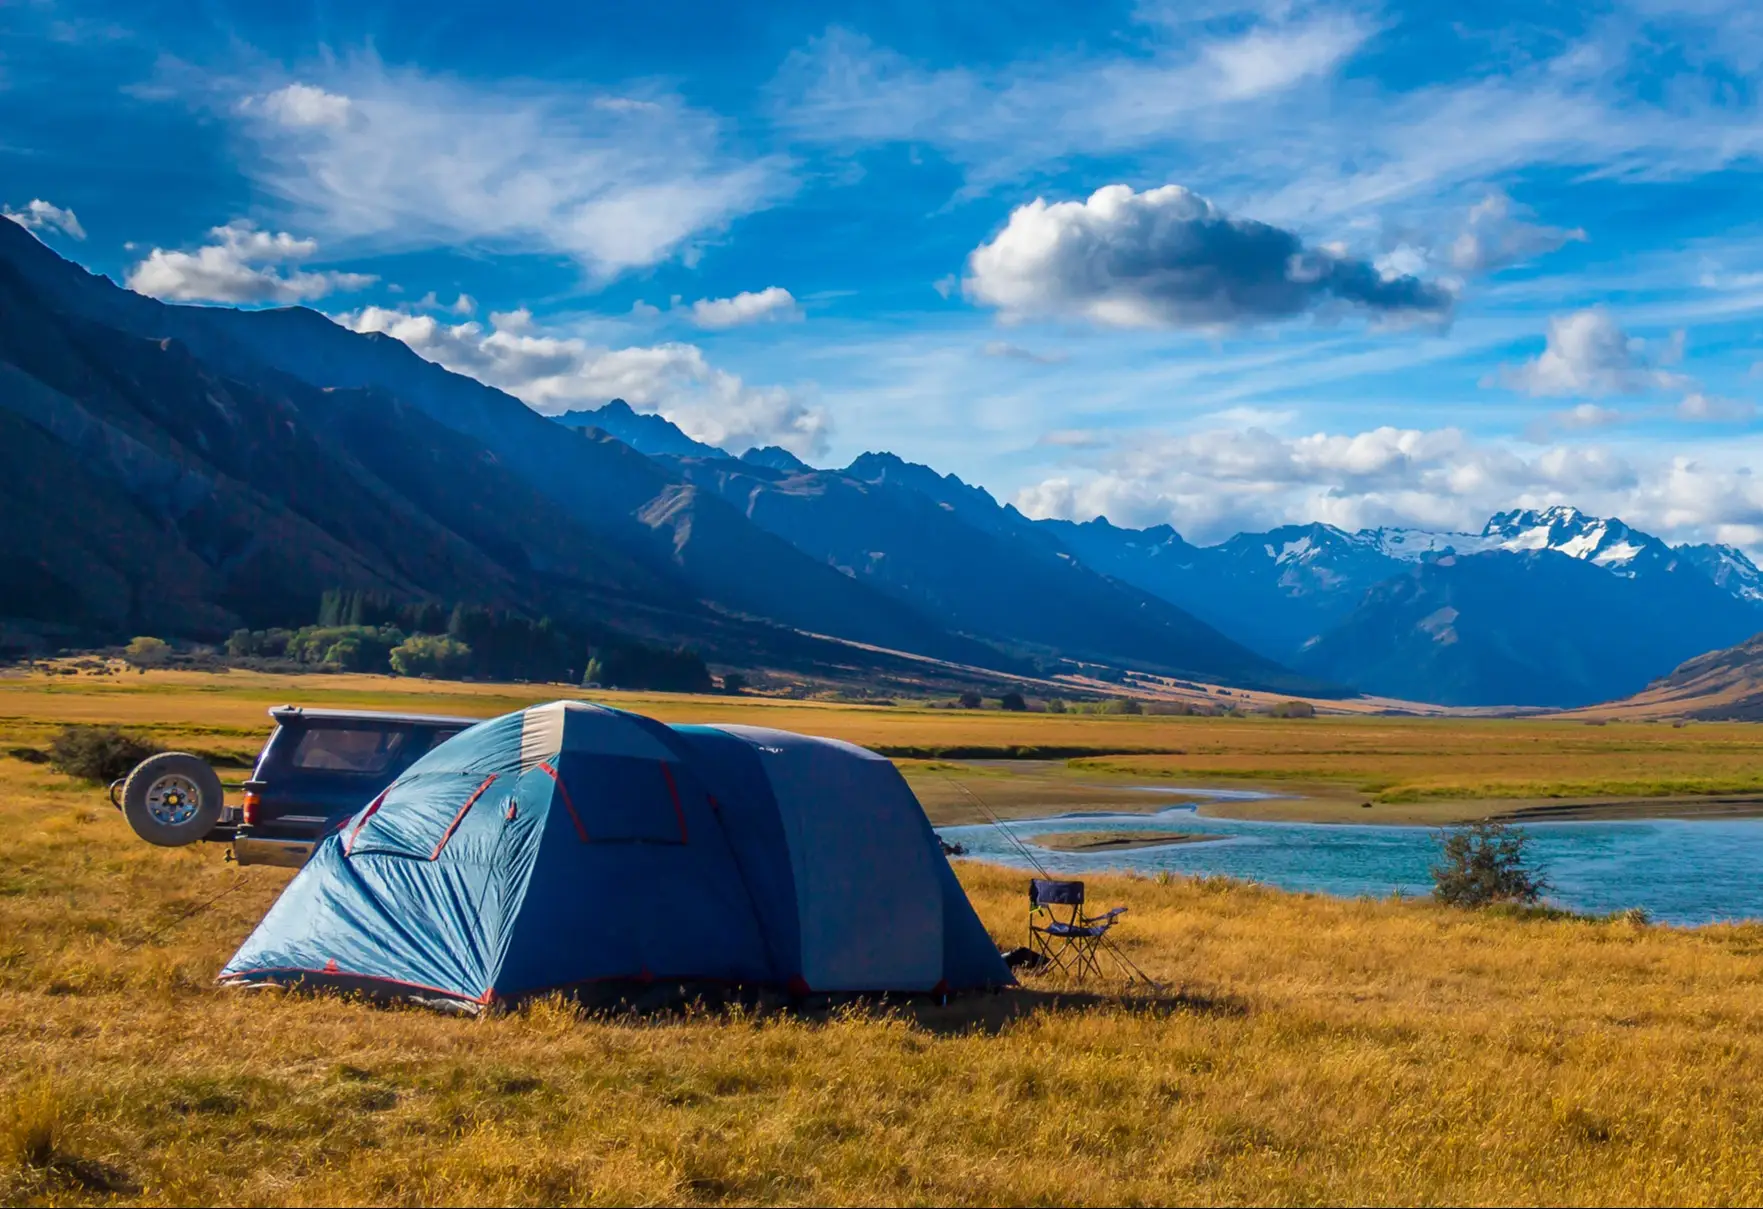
1059 930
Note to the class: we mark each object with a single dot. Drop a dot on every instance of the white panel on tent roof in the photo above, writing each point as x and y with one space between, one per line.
562 726
867 890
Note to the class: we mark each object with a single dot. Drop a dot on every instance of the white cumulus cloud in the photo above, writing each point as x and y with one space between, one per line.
39 215
1214 483
773 302
554 374
1167 257
1589 355
304 105
244 265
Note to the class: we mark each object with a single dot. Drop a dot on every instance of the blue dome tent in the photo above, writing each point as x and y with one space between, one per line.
574 847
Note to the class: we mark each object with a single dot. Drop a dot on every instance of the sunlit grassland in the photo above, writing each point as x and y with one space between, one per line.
1413 760
1390 760
1325 1050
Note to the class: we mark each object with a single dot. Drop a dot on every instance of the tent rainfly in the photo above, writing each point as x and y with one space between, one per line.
574 847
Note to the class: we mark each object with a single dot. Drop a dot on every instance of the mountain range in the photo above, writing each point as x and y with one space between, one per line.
1541 607
187 469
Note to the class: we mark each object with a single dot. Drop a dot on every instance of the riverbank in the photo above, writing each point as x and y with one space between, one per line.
1115 841
958 792
1324 807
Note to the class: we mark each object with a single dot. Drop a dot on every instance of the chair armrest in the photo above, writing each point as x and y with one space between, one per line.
1106 916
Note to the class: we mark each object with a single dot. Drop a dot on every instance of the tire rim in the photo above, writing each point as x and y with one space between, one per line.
172 800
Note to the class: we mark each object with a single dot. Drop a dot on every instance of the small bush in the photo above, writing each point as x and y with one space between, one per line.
1293 709
97 753
1055 705
431 655
1013 702
969 700
147 651
1485 863
733 682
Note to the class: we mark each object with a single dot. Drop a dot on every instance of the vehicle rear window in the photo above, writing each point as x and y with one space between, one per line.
348 750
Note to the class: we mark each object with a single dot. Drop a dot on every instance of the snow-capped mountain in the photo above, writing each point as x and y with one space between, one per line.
1728 567
1606 542
1346 605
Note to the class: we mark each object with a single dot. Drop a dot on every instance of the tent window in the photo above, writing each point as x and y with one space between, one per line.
625 798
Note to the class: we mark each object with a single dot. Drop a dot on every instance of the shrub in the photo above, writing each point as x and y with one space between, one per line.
969 700
431 655
147 651
1012 701
97 753
352 648
733 682
1485 863
1293 709
1055 705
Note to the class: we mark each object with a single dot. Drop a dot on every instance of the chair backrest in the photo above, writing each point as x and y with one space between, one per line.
1045 893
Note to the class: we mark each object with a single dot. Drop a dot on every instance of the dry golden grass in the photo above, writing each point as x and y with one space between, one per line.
1328 1050
1393 760
1396 760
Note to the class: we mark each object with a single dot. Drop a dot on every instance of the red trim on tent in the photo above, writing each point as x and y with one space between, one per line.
568 805
679 812
458 818
349 844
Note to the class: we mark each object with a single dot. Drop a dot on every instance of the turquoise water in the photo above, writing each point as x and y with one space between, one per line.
1680 872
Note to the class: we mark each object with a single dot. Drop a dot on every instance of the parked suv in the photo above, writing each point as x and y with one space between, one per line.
319 767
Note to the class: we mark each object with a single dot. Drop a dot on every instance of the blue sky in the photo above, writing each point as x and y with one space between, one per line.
1222 265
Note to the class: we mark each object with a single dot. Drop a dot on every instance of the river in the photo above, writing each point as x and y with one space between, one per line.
1678 871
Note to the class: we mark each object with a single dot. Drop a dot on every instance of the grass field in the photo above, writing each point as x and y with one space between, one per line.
1320 1050
1422 770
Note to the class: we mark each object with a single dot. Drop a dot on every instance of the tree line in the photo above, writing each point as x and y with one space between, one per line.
370 632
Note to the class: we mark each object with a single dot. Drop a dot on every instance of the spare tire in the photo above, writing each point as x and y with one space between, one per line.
172 799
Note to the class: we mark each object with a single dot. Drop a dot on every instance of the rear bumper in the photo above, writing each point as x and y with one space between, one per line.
254 850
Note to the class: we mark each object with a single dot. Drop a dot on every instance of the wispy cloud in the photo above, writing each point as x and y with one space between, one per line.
1253 110
39 215
844 90
396 158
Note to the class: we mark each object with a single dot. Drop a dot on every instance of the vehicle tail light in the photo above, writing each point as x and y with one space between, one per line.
252 802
